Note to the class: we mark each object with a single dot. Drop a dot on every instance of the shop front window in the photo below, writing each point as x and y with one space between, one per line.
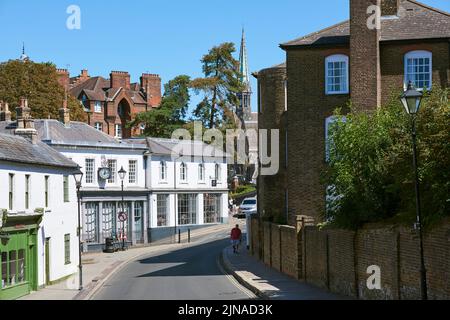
211 208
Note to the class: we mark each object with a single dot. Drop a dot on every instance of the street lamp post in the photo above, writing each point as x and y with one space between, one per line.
122 174
78 176
411 100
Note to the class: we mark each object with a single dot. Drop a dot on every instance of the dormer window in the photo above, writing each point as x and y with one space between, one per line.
418 69
336 74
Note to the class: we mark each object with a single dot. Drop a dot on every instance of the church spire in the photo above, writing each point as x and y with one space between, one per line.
24 57
243 62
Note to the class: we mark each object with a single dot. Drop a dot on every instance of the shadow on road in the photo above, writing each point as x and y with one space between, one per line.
200 260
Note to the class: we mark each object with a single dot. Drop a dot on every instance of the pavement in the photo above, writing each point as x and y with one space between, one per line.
268 283
99 267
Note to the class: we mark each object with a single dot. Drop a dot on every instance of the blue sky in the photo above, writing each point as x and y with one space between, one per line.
165 37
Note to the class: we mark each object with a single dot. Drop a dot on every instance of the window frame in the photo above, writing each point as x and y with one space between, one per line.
96 105
98 126
162 171
183 172
67 250
113 169
11 184
201 173
132 174
162 204
46 191
217 172
337 58
66 188
117 128
417 54
27 191
90 173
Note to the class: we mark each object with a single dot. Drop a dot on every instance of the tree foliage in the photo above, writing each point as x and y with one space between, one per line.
220 86
370 171
161 122
38 82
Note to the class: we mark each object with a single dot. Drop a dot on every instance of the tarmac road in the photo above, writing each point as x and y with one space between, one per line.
191 273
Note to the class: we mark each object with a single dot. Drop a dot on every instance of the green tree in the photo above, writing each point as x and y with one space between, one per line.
38 82
370 171
219 86
171 114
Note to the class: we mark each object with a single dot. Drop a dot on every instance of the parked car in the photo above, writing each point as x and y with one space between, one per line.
248 207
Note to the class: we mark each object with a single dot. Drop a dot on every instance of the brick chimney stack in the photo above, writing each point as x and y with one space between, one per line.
120 79
63 78
25 124
64 114
365 77
5 114
151 85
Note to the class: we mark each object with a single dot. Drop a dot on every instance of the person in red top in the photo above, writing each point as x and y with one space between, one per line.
236 236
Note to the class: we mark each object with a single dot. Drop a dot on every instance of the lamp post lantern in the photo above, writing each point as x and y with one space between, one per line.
122 174
411 100
78 176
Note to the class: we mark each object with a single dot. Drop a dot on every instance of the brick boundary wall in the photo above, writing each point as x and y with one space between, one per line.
337 260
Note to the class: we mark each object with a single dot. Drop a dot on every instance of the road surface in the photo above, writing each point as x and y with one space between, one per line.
191 273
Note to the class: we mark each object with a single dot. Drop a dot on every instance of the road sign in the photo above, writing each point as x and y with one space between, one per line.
123 216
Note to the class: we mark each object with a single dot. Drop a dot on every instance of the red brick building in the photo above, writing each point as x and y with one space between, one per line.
111 103
350 61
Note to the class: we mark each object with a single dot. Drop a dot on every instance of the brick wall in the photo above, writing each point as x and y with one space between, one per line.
316 257
341 262
338 260
267 248
308 107
272 189
276 246
289 251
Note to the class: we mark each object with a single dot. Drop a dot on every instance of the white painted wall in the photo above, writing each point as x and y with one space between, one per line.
192 181
121 156
60 217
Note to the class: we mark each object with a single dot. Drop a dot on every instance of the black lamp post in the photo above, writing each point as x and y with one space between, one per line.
411 100
122 174
78 176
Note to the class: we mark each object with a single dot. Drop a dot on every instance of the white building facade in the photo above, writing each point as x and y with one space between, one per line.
38 208
187 191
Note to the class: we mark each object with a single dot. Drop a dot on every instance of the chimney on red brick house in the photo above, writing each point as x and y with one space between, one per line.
120 79
84 76
151 85
365 74
25 124
390 7
5 114
64 114
63 78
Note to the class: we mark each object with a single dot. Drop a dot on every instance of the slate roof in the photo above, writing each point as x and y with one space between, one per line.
18 149
75 133
98 89
160 146
414 21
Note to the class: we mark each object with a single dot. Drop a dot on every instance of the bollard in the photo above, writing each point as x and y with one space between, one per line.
179 236
189 235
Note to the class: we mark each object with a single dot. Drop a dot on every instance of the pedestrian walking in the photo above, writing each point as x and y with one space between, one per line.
236 237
